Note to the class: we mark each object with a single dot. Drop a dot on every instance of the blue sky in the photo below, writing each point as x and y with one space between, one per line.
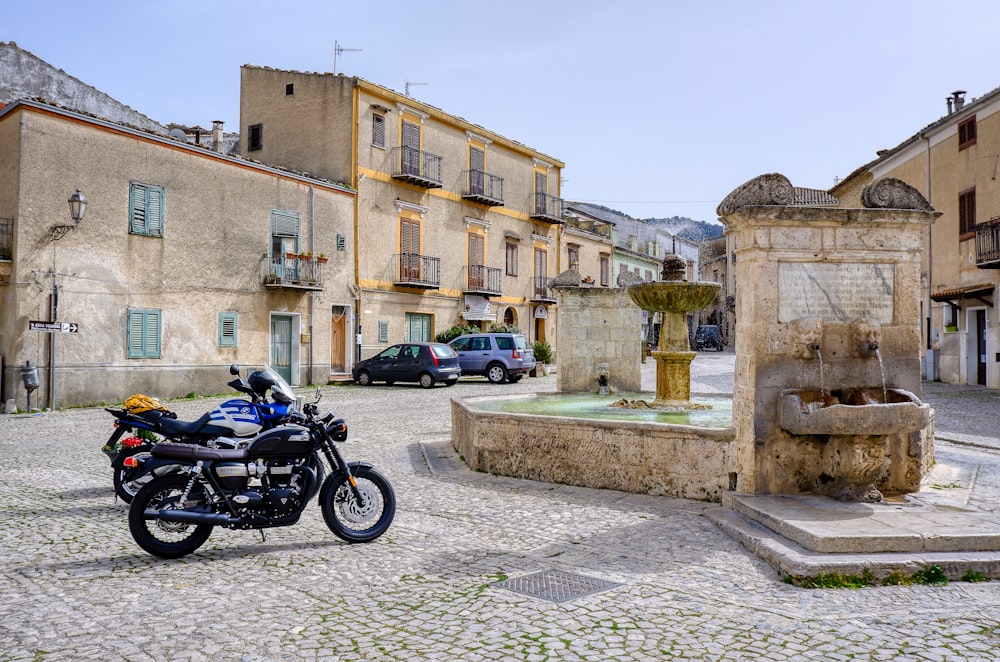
657 108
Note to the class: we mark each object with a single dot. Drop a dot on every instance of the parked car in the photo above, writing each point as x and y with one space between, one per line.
423 362
708 337
499 356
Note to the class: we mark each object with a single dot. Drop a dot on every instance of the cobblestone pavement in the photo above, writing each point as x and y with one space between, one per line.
75 586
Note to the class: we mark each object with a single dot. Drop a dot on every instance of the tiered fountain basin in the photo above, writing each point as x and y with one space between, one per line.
581 440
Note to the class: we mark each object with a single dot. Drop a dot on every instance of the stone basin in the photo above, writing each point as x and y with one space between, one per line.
678 296
852 412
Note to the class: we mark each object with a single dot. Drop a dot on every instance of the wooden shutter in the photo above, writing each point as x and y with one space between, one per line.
143 334
477 166
409 249
411 148
541 187
378 130
967 212
227 329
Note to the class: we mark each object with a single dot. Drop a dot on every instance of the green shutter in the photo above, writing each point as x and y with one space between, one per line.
143 334
145 209
227 329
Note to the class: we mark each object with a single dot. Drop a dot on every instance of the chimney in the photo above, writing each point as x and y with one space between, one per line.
956 101
217 136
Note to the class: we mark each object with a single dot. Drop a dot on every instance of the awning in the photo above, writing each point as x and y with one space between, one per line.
476 316
956 294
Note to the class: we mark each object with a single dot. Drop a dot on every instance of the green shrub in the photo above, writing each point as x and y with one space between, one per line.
543 351
454 332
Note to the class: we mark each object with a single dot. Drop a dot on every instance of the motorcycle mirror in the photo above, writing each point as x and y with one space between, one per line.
234 370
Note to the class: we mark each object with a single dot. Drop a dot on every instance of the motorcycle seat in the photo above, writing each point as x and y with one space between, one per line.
173 428
193 453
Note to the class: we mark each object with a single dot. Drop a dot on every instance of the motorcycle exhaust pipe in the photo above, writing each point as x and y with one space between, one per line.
188 517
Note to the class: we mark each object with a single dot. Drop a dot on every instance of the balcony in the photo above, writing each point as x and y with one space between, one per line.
417 271
547 208
482 280
540 292
417 167
482 187
988 244
293 272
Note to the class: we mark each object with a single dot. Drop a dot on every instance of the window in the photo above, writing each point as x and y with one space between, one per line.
477 250
477 168
143 333
967 133
145 209
409 248
605 271
383 331
227 329
418 328
256 139
511 258
541 187
967 213
574 257
649 275
411 148
378 131
289 89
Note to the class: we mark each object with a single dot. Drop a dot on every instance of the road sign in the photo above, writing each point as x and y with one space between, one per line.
52 327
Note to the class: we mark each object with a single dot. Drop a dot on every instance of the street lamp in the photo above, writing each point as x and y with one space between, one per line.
77 206
77 210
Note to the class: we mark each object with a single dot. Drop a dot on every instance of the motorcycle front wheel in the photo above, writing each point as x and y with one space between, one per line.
167 540
353 521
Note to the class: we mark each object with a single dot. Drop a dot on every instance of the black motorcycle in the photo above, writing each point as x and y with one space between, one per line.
143 421
266 484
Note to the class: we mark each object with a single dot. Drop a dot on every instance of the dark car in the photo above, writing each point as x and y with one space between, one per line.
499 356
708 337
423 362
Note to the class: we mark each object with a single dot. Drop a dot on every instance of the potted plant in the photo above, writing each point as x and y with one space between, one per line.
321 258
543 355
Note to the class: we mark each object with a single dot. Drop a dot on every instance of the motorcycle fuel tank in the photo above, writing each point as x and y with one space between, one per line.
239 416
282 441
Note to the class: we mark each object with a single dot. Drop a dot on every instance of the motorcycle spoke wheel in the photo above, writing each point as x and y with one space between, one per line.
167 540
356 521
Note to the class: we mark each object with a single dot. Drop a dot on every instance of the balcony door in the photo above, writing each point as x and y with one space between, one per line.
281 345
411 148
477 250
477 167
409 248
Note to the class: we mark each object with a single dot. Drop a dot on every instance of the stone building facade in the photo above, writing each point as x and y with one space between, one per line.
186 261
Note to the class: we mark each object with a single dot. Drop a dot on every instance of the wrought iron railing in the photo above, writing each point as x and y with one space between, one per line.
416 167
295 271
547 208
988 244
484 280
482 187
418 270
6 238
541 289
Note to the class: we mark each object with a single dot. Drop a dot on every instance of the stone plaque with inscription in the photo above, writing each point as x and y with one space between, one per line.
835 292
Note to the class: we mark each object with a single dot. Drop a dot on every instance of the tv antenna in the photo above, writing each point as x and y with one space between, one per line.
409 83
337 50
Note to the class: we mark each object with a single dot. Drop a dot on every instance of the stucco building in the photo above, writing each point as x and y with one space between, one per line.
953 163
453 224
186 261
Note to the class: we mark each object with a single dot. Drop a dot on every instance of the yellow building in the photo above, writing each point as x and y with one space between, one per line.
953 162
453 224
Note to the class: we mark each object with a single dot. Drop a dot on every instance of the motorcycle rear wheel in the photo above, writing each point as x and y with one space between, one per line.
350 520
167 540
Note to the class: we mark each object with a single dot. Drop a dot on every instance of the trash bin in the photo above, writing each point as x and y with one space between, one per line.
29 375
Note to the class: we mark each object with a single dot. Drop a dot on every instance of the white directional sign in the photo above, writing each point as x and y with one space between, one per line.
52 327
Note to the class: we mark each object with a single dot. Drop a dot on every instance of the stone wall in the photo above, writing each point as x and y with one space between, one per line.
600 332
640 457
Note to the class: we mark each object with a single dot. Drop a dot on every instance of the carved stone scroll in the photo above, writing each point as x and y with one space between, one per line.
892 193
771 189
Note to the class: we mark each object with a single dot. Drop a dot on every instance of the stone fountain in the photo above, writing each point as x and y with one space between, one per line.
674 297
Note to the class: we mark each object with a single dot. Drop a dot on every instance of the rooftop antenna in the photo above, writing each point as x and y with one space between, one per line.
409 83
337 50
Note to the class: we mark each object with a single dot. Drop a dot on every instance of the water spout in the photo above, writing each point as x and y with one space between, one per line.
881 368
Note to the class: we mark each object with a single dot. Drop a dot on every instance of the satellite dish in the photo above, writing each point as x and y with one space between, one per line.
178 134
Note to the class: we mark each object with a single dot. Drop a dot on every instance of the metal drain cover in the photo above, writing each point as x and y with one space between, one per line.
556 586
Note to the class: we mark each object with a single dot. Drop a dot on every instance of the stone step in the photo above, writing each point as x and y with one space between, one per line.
908 525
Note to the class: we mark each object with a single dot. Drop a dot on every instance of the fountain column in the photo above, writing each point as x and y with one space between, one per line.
674 297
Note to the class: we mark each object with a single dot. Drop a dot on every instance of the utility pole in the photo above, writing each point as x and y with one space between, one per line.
337 50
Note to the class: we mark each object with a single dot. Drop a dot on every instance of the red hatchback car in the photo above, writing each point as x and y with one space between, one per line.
426 363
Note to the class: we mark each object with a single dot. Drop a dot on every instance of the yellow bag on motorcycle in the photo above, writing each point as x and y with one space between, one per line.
139 403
